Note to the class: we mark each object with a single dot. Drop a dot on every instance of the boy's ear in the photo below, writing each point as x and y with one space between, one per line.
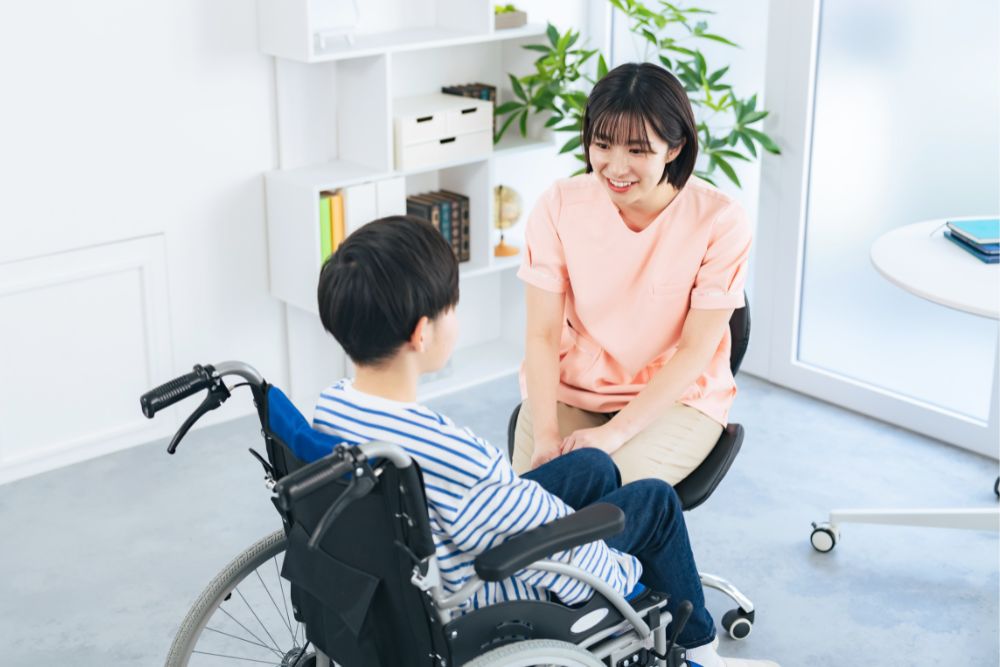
419 333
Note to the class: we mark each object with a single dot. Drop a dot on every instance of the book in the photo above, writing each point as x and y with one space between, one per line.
325 238
337 231
437 218
425 210
450 223
981 231
464 227
972 249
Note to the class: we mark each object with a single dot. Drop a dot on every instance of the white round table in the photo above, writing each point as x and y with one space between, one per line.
922 261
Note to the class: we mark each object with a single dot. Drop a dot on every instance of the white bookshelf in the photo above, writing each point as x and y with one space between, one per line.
335 131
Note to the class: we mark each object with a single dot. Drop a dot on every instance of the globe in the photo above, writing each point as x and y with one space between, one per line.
506 212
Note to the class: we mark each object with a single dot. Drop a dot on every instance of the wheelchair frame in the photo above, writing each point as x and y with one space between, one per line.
624 635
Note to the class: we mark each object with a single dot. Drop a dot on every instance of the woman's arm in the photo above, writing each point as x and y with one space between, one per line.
703 331
546 311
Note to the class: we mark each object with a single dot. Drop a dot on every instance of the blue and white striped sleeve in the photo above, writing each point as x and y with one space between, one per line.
501 505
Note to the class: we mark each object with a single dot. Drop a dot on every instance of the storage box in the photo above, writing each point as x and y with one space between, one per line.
436 129
509 20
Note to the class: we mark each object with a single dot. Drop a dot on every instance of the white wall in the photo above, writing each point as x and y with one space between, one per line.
120 120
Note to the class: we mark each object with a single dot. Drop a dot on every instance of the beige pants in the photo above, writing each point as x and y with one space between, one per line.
668 449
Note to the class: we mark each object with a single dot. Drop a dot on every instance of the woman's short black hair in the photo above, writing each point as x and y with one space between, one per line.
633 94
379 283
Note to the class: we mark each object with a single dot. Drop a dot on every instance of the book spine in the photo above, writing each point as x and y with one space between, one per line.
463 253
325 238
337 228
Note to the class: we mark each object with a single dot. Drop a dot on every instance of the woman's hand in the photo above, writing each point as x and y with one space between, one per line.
601 437
545 450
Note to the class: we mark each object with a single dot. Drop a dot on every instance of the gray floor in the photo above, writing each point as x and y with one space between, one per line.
102 559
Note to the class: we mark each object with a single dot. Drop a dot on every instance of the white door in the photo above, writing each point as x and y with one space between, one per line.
887 114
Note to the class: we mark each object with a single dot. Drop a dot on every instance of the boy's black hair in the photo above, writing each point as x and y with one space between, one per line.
633 94
379 283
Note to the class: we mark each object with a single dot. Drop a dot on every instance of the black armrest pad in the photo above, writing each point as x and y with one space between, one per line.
592 523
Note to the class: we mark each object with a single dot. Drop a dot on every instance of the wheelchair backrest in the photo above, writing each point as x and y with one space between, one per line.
353 592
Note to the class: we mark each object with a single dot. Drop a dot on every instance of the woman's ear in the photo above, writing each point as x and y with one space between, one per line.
419 334
672 153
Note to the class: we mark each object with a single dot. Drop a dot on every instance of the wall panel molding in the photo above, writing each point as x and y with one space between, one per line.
82 334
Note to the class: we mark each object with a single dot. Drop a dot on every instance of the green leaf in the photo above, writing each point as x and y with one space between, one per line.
718 74
764 140
753 117
666 62
570 145
718 38
650 37
541 48
524 123
749 144
732 154
503 128
727 169
602 67
518 90
581 170
553 35
703 175
569 127
554 120
680 49
580 156
507 107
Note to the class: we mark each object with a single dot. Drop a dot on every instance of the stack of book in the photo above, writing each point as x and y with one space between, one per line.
449 213
980 238
331 223
481 91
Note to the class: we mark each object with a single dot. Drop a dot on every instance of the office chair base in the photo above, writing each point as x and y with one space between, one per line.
737 622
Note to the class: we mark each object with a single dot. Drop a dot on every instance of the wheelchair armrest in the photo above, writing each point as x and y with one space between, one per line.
592 523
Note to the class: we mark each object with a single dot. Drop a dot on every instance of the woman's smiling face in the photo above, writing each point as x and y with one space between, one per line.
631 172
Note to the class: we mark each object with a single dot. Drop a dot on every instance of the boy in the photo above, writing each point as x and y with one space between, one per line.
388 296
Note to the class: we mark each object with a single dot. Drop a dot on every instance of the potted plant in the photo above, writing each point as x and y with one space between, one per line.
565 72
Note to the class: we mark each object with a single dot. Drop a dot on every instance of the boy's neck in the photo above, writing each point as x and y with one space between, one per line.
395 380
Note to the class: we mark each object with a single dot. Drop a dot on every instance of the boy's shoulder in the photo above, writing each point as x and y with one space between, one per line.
416 419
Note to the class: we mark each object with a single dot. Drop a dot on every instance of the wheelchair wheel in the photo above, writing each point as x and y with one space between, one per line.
537 652
244 616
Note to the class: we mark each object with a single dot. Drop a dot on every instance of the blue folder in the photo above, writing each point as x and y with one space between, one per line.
972 249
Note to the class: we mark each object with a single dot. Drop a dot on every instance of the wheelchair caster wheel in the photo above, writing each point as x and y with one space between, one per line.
738 623
824 537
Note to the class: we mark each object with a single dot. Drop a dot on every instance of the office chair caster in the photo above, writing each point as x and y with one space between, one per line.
738 623
824 537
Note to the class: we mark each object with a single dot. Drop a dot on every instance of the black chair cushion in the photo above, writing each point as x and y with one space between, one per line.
695 489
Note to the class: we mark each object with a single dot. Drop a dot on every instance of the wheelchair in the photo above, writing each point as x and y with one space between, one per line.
351 578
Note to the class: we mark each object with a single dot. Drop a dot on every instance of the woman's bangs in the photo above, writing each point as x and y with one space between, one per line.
621 127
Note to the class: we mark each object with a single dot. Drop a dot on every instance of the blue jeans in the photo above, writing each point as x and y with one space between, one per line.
655 531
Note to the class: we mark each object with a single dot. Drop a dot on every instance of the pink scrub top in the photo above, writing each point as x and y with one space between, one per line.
628 293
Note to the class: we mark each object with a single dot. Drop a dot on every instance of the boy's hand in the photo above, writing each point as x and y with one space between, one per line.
599 437
545 451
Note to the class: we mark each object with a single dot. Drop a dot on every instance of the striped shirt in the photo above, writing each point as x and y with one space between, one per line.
474 498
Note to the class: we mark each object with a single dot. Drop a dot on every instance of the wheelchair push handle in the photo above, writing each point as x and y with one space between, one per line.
176 390
311 478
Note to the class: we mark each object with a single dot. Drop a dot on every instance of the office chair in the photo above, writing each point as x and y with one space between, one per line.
701 483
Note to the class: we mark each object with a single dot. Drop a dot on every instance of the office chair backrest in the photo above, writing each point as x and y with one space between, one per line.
739 332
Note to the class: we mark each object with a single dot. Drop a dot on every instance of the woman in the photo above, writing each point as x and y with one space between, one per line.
632 272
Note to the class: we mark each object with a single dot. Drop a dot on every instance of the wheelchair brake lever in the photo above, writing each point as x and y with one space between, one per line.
360 485
217 395
675 655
